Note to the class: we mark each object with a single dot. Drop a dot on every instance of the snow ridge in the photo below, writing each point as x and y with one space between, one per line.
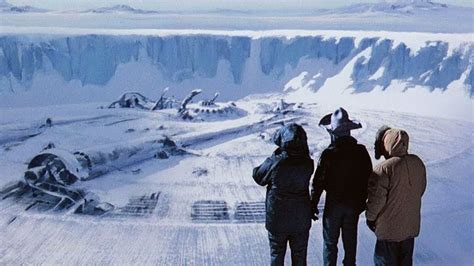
6 7
120 9
406 7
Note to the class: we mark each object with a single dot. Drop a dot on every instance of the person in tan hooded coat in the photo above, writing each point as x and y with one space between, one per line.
394 198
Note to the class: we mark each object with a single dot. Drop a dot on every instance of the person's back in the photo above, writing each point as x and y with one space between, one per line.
343 171
288 202
394 206
347 171
407 183
287 173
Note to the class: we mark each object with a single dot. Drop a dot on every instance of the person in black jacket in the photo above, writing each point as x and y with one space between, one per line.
287 173
343 171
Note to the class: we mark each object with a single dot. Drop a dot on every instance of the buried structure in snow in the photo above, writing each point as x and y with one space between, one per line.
52 178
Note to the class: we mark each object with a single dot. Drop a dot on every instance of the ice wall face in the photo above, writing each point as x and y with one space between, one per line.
266 61
90 59
93 59
183 57
430 66
276 54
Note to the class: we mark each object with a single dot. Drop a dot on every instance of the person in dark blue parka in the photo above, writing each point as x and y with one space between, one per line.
287 173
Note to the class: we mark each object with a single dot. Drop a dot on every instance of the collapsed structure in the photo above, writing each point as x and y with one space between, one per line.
203 110
133 100
165 102
208 109
52 176
183 112
137 100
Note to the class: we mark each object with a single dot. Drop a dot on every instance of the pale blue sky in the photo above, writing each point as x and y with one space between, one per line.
207 4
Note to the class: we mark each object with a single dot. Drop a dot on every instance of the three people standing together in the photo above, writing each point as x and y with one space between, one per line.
390 194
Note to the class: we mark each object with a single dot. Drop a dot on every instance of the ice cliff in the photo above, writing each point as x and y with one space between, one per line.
234 64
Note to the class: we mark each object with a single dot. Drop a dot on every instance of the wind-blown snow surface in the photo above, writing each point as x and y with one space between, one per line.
228 150
40 66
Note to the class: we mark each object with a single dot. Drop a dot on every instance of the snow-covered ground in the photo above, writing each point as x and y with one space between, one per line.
227 150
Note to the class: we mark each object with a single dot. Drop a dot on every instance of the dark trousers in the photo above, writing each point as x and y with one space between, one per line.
394 253
298 247
337 218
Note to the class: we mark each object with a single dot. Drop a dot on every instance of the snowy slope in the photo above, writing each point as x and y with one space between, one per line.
99 65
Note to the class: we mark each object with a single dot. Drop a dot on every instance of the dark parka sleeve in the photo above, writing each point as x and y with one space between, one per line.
319 180
366 171
262 174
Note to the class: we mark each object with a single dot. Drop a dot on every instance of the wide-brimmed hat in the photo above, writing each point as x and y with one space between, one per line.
338 122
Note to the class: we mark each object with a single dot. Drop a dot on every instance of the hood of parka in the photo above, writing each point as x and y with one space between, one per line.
292 139
395 142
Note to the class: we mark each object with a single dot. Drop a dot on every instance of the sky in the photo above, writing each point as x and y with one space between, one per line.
167 5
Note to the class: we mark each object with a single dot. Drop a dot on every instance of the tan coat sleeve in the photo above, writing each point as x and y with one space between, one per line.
423 180
377 193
